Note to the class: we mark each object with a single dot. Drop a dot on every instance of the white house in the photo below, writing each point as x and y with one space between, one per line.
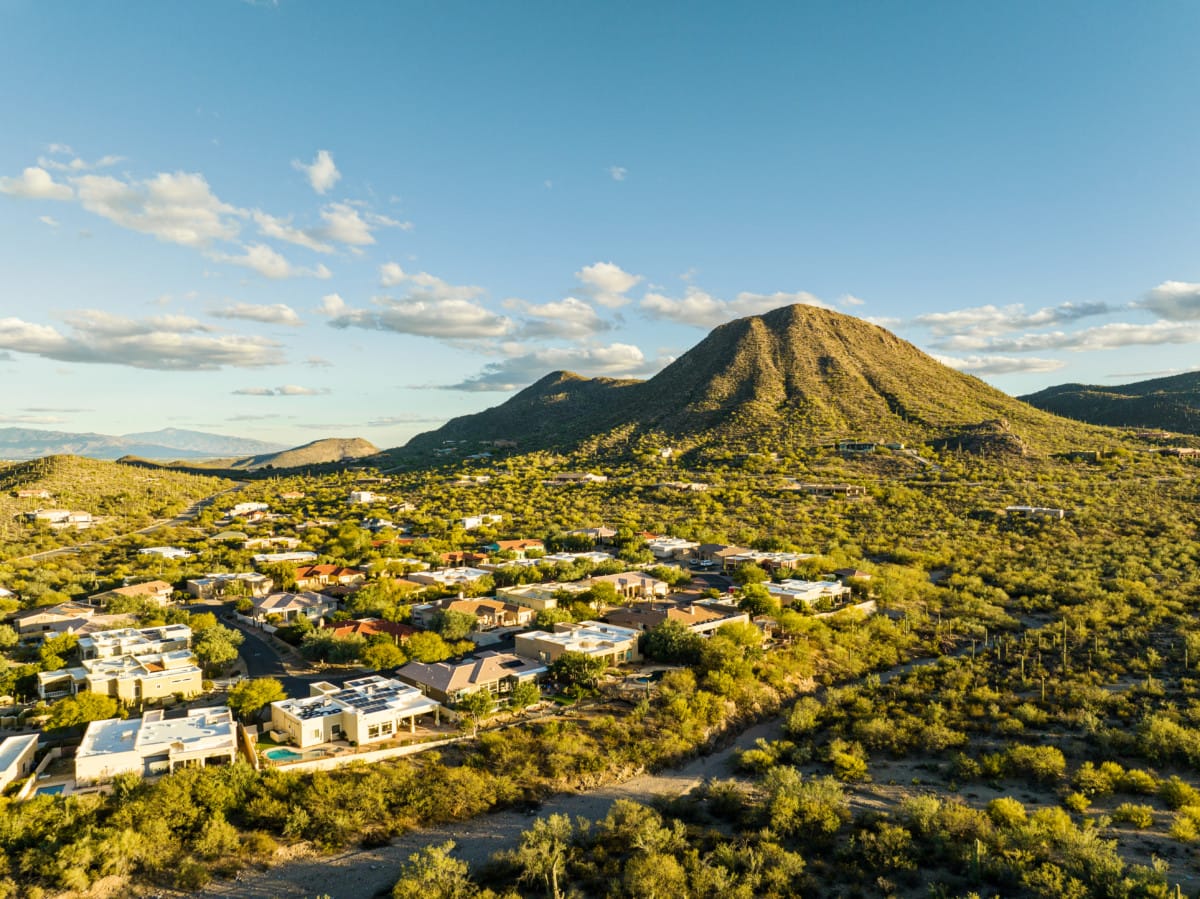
448 577
302 555
167 552
364 497
152 746
808 592
212 586
16 758
609 642
366 710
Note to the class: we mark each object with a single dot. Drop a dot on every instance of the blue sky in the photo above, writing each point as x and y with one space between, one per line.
297 219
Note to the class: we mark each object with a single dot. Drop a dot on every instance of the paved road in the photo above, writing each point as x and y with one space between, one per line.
262 659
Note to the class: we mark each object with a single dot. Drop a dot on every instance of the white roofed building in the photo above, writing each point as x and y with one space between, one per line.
153 745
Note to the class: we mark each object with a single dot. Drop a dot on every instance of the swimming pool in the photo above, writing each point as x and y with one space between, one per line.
283 755
54 790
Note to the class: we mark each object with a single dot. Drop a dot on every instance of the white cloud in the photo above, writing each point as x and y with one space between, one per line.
849 299
35 184
703 310
425 286
285 390
281 229
619 360
317 362
31 419
617 172
410 419
167 343
275 314
269 263
992 320
48 220
331 304
79 165
568 318
391 274
1175 301
322 174
1001 365
607 283
449 319
177 208
1105 337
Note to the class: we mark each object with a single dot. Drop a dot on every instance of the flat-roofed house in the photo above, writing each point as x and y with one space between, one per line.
214 586
603 641
633 584
699 619
153 745
365 710
17 758
538 597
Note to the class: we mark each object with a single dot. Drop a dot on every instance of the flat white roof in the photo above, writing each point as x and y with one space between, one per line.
15 747
200 729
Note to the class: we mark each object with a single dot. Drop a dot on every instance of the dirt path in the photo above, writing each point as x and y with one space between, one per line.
363 873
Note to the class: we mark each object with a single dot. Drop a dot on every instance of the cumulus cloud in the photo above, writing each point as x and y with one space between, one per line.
275 314
269 263
568 318
993 320
1175 301
617 172
703 310
321 173
285 390
331 304
449 319
35 184
175 207
607 283
614 360
167 343
1104 337
1001 365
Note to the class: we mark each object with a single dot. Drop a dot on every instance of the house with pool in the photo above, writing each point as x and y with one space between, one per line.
366 710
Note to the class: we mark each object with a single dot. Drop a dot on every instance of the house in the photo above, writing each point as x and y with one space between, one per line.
364 497
519 548
717 553
492 613
135 641
461 559
132 665
575 477
370 627
538 597
271 543
600 535
33 493
843 490
157 592
699 619
809 593
152 745
855 447
602 641
685 486
167 552
128 678
448 577
243 509
568 558
1034 512
292 494
215 586
289 606
62 518
17 758
449 682
64 618
275 558
851 574
366 710
5 593
771 561
313 577
633 584
667 548
472 522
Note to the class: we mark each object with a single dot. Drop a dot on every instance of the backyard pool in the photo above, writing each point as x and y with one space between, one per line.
283 755
54 790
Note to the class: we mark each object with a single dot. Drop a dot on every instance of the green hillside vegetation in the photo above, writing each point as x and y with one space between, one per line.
795 377
319 452
121 497
1170 404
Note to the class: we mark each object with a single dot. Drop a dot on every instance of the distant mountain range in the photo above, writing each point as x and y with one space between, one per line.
327 451
789 379
1170 404
166 444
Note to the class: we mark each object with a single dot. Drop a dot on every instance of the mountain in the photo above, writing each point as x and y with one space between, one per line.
210 445
319 452
28 443
791 378
1170 404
